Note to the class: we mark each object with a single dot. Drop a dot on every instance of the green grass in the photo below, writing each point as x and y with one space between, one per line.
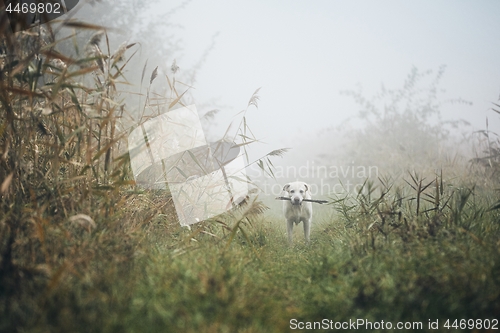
339 276
210 289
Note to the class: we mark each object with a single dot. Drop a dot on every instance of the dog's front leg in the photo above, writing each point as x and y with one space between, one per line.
307 229
289 229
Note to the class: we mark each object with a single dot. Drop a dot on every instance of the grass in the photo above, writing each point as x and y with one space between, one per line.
83 250
171 281
340 276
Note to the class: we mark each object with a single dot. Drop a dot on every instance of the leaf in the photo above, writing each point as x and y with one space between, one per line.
494 207
175 101
269 166
81 25
196 161
83 71
181 172
169 83
103 150
144 71
51 54
233 233
20 91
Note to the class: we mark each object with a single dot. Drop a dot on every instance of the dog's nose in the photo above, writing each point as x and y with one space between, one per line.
296 201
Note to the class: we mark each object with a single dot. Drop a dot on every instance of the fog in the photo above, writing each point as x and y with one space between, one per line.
304 54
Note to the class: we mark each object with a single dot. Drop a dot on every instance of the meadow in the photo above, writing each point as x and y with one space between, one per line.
83 249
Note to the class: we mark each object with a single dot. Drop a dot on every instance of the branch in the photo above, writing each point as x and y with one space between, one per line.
306 200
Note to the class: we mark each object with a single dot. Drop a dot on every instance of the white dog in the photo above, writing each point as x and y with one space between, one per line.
295 210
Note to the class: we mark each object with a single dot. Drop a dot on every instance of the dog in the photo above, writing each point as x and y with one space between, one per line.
295 210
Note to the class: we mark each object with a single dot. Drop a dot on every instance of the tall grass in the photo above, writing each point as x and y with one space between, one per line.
62 180
71 215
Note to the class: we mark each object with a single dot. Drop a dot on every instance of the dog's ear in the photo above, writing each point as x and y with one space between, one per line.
286 187
306 186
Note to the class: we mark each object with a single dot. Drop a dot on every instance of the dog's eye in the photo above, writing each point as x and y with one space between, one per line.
301 191
292 191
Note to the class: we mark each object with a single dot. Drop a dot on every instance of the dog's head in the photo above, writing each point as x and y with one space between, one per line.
296 192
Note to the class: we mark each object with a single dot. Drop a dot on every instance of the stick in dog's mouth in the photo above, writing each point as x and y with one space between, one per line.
307 200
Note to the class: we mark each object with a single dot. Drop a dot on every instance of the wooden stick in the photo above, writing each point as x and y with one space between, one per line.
307 200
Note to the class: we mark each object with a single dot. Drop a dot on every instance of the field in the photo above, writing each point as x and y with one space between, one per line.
85 250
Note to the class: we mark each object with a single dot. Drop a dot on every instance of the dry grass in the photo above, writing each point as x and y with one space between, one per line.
70 210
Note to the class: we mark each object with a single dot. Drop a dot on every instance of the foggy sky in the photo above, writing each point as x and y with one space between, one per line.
303 53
